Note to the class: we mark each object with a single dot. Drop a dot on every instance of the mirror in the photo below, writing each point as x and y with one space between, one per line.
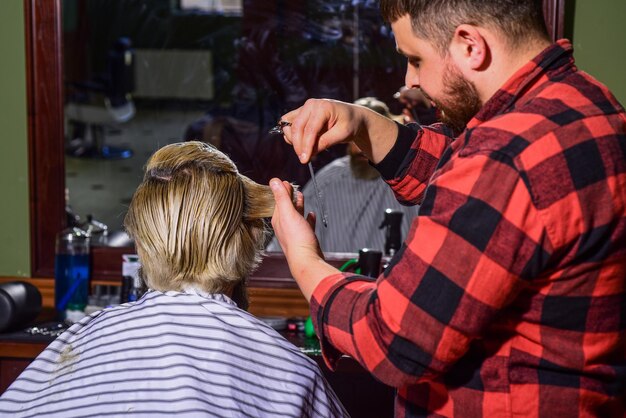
140 74
46 100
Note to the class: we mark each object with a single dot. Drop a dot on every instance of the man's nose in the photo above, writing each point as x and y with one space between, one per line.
411 79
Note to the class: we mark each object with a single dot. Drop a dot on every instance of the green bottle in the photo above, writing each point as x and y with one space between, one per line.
309 330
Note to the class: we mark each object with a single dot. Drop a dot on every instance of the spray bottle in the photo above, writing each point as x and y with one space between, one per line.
392 222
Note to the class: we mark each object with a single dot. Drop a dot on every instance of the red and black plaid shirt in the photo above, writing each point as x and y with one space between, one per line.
508 297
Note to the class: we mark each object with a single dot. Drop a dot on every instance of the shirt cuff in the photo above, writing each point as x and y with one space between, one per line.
322 293
388 166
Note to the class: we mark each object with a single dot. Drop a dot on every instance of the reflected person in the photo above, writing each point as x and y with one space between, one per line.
186 347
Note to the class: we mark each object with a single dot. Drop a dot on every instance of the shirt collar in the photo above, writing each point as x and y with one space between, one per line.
555 58
206 295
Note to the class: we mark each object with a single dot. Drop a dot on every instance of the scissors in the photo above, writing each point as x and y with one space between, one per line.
278 129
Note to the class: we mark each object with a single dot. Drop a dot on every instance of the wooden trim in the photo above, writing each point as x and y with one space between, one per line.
264 301
45 130
106 263
274 271
272 290
45 286
26 350
286 303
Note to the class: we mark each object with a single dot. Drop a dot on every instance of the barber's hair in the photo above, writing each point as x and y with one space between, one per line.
436 20
196 221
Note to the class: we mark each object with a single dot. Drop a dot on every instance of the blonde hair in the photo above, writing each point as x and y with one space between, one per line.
196 221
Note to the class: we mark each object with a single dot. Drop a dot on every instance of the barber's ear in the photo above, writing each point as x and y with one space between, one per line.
469 48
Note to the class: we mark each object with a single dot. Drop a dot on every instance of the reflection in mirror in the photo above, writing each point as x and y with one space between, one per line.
140 74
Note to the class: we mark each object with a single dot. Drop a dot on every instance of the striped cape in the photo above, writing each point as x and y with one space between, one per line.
184 354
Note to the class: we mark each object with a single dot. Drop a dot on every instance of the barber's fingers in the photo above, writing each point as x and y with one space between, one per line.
335 135
307 124
302 133
299 202
311 218
287 130
282 191
312 128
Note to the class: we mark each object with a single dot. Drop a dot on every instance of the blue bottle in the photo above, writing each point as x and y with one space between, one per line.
71 274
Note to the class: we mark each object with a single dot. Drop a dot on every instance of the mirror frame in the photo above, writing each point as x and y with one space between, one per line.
45 130
44 52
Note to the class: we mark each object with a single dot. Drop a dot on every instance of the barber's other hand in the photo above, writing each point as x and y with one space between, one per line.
319 124
297 238
295 234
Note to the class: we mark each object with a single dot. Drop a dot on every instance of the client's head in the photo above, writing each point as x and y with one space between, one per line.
196 221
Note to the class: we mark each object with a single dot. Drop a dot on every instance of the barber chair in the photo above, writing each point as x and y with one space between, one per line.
103 102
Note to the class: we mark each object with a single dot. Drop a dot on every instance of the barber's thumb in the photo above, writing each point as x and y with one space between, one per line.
281 196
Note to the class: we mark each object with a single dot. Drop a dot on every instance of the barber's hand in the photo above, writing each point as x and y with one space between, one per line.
295 233
297 238
321 123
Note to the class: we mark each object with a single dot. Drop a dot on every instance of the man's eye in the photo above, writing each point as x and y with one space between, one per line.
414 62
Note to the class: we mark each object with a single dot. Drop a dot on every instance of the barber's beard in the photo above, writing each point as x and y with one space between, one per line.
460 102
361 169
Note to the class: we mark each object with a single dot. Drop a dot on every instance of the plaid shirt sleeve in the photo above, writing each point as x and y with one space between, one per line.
413 159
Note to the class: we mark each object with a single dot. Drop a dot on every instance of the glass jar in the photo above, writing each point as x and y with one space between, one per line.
71 274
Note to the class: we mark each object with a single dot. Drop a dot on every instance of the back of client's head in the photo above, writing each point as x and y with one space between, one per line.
196 221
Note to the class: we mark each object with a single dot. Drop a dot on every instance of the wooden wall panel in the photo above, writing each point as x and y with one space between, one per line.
45 130
288 303
263 301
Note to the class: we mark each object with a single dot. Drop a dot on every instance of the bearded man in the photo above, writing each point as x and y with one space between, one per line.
507 298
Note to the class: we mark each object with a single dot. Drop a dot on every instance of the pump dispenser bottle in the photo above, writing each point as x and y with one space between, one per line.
369 262
392 223
393 238
71 274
